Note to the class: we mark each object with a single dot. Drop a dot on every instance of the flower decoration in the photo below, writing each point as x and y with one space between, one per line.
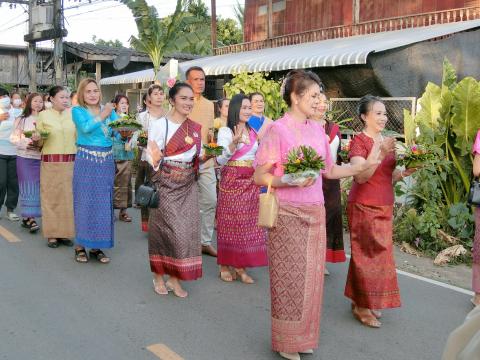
213 149
171 82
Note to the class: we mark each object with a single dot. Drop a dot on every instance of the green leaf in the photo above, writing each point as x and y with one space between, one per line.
466 113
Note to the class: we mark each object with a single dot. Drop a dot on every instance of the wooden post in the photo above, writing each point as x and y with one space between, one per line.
98 72
270 19
214 25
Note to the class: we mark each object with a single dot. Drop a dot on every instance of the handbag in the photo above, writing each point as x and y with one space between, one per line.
474 193
268 210
147 195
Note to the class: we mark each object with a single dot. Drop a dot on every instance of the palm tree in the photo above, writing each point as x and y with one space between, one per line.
159 37
239 11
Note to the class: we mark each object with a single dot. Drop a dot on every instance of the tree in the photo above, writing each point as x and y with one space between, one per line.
110 43
159 37
240 14
228 32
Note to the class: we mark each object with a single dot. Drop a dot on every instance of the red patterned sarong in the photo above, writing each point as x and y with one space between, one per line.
241 243
296 251
174 227
372 278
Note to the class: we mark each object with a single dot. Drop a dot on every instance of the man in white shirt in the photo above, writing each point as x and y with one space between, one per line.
203 113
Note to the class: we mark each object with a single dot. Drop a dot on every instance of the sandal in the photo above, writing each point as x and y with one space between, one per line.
244 277
178 291
159 289
65 242
100 256
30 224
52 243
227 276
81 256
367 320
124 217
376 313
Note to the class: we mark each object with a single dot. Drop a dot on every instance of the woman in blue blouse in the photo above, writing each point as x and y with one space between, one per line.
93 174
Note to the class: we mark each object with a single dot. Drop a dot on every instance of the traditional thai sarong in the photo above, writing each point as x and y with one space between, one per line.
241 243
123 184
28 171
333 202
174 227
372 277
56 174
333 209
476 254
296 252
93 177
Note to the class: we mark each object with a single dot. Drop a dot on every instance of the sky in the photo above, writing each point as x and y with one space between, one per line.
106 19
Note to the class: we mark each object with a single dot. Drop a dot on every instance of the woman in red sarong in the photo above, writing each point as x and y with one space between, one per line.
296 246
241 243
372 278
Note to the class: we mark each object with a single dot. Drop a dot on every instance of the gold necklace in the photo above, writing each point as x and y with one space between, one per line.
188 138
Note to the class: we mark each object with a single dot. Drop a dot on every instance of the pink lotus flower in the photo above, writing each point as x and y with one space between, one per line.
171 82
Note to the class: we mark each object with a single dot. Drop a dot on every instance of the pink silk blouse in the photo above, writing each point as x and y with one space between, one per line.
283 135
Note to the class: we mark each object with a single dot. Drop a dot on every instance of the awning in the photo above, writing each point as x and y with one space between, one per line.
169 70
326 53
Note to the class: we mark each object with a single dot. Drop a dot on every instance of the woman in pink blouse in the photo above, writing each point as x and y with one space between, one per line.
476 240
28 161
296 246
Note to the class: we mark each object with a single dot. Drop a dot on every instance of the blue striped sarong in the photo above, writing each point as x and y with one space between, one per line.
93 177
28 171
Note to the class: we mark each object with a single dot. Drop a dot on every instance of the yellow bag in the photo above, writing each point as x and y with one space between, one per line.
268 212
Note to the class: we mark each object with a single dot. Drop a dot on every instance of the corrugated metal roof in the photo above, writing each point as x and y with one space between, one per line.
131 78
327 53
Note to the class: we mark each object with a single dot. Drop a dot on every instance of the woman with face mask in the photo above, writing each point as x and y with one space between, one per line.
56 170
93 174
28 161
123 156
17 103
8 161
241 243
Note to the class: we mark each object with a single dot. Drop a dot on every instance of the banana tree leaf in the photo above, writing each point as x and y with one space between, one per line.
409 127
431 104
449 78
466 113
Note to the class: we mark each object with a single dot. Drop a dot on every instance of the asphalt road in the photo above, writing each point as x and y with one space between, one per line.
53 308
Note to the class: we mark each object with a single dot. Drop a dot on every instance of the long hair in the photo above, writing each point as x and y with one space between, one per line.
234 110
27 111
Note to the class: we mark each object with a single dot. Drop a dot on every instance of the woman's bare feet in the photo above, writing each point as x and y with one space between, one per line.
366 317
476 299
226 274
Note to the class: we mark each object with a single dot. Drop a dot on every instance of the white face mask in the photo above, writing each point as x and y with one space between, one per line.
48 105
17 102
5 103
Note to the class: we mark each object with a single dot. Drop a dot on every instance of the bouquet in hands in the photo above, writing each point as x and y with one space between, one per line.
126 125
303 162
142 139
213 149
415 156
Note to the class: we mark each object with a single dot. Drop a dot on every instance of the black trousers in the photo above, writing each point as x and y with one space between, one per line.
8 181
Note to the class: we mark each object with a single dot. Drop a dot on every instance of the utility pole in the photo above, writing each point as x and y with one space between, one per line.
32 53
214 24
58 42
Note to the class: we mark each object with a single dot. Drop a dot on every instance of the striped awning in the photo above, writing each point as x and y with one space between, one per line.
131 78
326 53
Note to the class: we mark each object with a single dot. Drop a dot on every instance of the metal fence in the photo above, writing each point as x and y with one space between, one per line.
346 108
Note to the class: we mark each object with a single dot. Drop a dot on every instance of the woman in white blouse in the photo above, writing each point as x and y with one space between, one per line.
174 146
241 243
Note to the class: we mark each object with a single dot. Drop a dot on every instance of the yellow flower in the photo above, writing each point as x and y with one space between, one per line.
217 123
298 161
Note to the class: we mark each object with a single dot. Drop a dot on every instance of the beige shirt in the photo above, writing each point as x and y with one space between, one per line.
62 137
203 113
